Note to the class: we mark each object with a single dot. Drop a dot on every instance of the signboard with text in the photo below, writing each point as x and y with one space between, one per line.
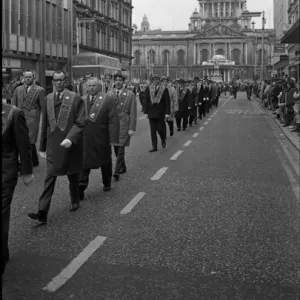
279 48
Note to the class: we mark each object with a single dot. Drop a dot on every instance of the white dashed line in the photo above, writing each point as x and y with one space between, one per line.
195 134
209 119
201 128
187 143
159 173
133 202
141 118
175 156
74 266
205 123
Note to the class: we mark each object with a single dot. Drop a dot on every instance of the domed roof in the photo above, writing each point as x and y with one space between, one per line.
219 57
246 11
145 20
195 14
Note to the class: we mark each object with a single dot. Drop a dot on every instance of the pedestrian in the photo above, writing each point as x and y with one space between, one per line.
82 86
101 131
157 110
30 97
127 111
61 143
15 142
143 92
108 84
184 105
205 96
166 81
194 104
296 108
214 93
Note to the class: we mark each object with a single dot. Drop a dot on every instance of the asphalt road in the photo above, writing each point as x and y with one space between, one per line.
220 222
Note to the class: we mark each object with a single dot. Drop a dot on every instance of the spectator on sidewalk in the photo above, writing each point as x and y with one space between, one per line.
289 102
296 108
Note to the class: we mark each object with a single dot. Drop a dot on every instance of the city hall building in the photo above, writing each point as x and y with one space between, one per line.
217 29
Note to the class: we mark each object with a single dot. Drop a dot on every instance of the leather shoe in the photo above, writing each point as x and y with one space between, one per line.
123 171
106 188
117 177
81 195
74 207
163 143
40 216
153 150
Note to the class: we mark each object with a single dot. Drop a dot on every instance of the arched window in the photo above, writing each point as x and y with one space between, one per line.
236 56
204 55
152 56
165 57
259 57
137 57
180 57
220 52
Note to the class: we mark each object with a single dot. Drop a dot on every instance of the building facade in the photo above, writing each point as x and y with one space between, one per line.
36 35
40 35
111 32
216 28
291 38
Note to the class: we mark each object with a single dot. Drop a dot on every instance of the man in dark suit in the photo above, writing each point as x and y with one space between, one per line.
157 109
101 131
15 142
61 143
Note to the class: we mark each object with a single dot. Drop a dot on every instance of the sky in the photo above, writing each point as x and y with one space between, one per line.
160 13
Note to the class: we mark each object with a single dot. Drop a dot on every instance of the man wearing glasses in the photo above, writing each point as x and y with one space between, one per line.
61 143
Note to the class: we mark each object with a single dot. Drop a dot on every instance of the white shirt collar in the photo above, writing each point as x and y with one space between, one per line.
61 93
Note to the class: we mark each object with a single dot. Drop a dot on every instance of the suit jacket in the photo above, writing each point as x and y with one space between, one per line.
63 119
15 142
32 104
159 105
102 129
127 111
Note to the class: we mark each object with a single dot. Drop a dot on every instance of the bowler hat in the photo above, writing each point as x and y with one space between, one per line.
181 80
164 78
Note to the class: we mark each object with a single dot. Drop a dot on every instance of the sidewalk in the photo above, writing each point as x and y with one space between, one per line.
292 136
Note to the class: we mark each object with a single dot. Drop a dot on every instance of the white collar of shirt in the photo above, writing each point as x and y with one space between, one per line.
28 88
61 94
120 91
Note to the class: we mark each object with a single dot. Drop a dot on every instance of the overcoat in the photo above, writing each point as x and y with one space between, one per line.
15 142
63 119
127 111
101 131
32 104
157 104
195 99
185 101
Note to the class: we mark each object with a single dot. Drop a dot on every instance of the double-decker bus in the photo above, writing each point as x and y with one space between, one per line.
95 63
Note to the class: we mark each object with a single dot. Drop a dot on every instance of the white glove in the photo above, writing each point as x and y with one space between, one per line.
43 154
66 143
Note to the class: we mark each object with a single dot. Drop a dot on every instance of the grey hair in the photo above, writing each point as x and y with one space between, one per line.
94 78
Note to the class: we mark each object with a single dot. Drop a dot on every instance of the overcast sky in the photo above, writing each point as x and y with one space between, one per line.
160 12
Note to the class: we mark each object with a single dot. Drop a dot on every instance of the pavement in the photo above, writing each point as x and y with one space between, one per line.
218 221
292 136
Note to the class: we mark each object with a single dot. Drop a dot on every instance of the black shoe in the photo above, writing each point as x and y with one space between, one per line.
40 216
116 177
183 129
106 188
163 143
36 164
195 123
178 129
74 207
81 195
153 150
123 171
171 132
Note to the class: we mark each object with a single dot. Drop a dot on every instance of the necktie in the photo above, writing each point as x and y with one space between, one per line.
118 94
57 98
91 103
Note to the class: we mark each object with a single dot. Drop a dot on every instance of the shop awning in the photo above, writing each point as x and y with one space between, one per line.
281 64
293 35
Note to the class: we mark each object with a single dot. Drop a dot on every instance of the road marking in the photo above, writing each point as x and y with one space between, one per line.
209 119
205 123
140 118
159 173
195 134
175 156
74 266
201 128
133 202
187 143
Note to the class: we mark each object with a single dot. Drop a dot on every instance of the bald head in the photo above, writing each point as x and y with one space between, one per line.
93 84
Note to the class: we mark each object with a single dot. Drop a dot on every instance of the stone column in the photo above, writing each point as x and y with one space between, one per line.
230 8
219 9
246 53
224 8
212 10
194 57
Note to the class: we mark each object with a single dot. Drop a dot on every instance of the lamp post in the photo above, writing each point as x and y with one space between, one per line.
263 46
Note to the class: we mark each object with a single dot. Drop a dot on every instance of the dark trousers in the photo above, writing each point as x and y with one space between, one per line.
171 127
183 121
201 110
192 119
157 126
207 106
7 196
217 101
106 171
49 185
35 158
120 162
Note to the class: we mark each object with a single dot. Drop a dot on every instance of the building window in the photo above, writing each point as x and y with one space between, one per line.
93 4
38 24
66 27
204 55
22 18
259 57
54 23
166 57
236 56
137 60
14 16
180 57
152 56
30 19
48 24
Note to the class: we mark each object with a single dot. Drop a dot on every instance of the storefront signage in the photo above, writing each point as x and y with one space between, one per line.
11 63
279 48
